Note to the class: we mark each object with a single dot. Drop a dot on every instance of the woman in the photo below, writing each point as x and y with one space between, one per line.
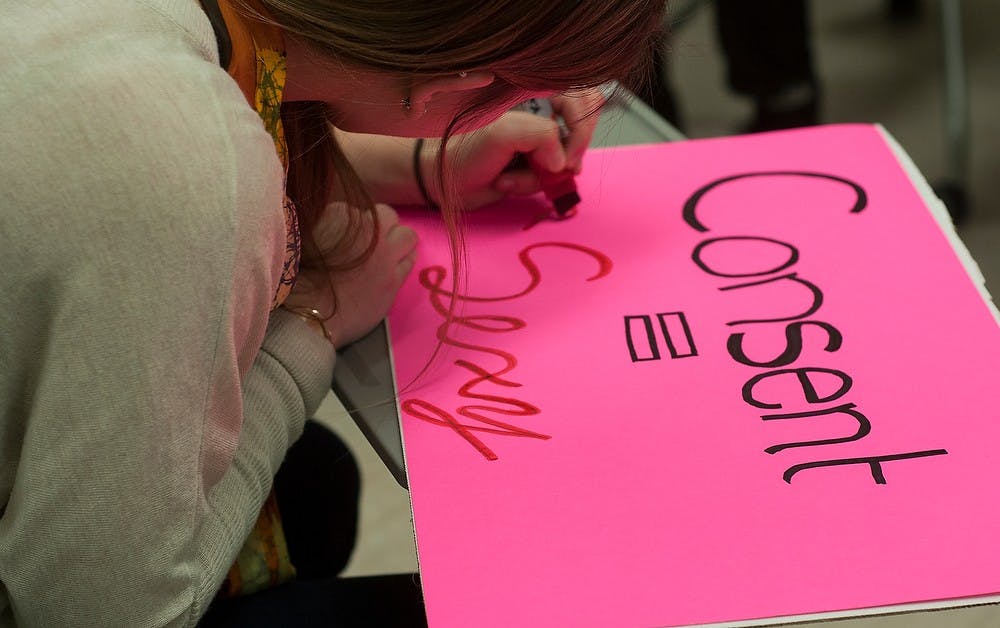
190 229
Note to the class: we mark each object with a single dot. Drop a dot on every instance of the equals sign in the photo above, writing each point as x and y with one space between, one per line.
642 340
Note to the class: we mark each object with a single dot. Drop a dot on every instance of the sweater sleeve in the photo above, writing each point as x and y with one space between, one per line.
148 393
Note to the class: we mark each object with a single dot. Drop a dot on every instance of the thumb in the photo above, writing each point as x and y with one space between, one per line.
518 183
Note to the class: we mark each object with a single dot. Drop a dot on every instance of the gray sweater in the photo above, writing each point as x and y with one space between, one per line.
147 393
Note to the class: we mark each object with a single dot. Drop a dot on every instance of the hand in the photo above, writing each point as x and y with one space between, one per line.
365 293
482 156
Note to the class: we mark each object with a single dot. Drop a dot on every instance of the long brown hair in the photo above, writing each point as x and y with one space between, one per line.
529 45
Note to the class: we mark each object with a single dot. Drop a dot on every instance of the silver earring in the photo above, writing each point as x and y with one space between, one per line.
407 105
463 74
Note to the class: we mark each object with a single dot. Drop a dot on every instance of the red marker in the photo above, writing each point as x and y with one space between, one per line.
559 187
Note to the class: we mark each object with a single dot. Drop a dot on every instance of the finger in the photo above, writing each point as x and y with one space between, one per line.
579 139
402 240
387 217
404 267
535 136
518 183
580 113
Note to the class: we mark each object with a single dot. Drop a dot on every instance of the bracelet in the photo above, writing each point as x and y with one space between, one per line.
418 175
311 314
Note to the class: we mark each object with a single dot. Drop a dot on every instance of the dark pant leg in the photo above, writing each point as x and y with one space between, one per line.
382 601
659 93
767 44
317 488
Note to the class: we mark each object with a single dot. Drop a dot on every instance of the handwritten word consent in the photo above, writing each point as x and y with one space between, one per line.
747 274
482 414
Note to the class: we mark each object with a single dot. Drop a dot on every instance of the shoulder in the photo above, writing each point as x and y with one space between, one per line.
124 123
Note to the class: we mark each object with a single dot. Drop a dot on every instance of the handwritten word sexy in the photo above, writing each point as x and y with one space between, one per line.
482 413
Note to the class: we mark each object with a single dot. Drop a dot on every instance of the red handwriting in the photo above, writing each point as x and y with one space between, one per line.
483 412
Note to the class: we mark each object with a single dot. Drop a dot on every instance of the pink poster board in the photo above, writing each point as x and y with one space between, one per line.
750 379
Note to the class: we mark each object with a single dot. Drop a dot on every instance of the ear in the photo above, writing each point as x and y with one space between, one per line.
424 92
